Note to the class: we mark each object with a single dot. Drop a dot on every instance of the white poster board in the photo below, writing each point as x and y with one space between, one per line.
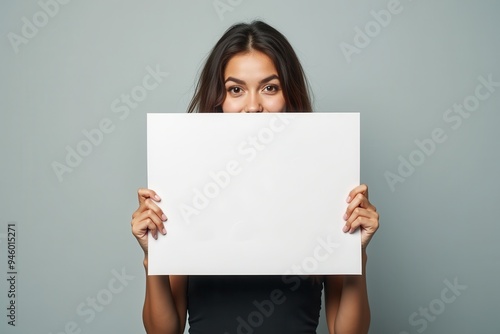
254 193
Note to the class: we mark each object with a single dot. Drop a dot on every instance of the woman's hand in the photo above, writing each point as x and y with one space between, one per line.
148 217
361 213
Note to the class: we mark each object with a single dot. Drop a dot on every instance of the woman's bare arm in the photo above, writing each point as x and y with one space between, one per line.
165 305
346 297
346 303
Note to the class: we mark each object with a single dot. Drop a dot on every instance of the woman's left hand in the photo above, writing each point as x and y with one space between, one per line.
361 213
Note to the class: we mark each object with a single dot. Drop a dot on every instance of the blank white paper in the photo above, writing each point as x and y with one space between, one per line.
254 193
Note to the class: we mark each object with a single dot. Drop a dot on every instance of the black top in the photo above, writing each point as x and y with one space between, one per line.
253 304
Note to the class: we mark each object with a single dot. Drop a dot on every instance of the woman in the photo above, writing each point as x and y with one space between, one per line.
253 68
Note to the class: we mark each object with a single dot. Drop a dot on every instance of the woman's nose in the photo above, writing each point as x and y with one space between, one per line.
253 103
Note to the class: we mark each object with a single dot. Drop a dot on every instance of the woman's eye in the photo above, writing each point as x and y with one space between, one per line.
271 89
234 90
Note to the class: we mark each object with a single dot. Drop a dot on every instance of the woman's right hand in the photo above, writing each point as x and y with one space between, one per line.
148 217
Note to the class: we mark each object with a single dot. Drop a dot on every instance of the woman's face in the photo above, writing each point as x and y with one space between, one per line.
252 84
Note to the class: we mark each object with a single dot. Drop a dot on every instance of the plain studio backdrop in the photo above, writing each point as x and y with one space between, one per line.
78 77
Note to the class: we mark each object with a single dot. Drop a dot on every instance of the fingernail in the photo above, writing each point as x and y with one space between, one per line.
348 199
157 198
345 216
155 236
345 229
163 217
164 231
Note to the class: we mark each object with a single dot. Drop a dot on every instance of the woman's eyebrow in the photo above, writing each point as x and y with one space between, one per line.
241 82
269 78
238 81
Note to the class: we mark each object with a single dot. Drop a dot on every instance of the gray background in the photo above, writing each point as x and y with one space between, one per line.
440 224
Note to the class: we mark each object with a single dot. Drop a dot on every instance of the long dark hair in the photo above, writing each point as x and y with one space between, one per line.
241 38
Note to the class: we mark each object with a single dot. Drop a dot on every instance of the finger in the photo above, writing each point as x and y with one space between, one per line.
359 201
142 207
359 221
144 193
152 227
149 204
356 214
361 212
157 221
361 189
150 216
365 223
141 228
368 228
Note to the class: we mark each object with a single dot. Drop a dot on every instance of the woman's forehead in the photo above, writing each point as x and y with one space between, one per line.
251 65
